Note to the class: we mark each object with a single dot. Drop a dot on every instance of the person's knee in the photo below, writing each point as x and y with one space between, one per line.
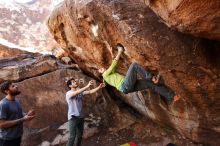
79 134
79 138
72 136
134 64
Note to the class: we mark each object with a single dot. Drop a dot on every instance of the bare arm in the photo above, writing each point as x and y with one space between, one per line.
120 50
10 123
108 47
112 68
81 89
94 90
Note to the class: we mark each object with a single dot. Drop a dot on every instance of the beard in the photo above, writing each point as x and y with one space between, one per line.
15 93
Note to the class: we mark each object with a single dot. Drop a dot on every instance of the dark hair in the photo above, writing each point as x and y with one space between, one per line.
5 86
69 82
119 45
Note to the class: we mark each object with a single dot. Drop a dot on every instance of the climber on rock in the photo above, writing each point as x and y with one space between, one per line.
130 83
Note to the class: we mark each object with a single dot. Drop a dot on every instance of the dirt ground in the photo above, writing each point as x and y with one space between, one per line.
150 134
144 133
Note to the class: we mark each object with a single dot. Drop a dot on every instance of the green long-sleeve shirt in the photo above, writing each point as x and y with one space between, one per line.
111 77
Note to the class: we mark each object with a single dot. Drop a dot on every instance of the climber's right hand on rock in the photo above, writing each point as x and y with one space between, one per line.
120 49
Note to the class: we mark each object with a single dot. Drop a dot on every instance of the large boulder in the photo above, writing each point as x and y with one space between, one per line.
199 18
189 65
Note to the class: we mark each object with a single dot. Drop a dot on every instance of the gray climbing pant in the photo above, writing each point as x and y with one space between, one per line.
131 83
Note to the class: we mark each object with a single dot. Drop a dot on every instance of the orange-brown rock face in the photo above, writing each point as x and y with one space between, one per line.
190 66
200 18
